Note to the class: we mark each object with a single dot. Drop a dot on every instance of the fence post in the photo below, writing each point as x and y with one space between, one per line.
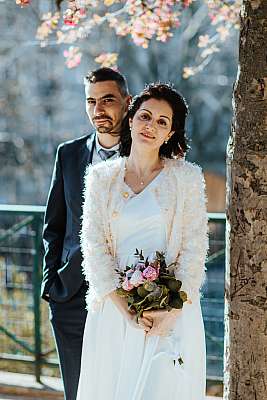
36 297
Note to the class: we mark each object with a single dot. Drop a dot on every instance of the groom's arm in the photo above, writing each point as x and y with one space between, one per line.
54 226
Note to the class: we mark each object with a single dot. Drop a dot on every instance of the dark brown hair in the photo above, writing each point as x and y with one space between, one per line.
108 74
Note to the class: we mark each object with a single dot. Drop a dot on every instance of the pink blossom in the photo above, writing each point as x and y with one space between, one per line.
107 60
126 285
23 3
150 273
73 57
82 11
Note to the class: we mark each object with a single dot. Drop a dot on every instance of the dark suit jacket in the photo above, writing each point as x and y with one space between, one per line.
62 273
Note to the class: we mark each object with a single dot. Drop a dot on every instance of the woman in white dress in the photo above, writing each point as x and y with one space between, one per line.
149 199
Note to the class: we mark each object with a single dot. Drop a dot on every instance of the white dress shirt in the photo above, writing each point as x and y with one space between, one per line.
96 157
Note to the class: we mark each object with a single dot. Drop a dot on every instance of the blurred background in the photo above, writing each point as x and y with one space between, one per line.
42 101
42 104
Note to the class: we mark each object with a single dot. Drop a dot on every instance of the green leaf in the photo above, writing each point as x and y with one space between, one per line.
155 305
142 291
176 302
164 301
165 290
149 286
174 285
121 292
180 360
130 299
183 295
138 303
166 276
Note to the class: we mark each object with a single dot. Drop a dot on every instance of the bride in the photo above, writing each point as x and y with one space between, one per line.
153 200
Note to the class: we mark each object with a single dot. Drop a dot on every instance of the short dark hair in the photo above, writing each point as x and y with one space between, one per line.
108 74
177 145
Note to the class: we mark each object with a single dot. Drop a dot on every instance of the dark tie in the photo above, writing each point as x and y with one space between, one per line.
105 154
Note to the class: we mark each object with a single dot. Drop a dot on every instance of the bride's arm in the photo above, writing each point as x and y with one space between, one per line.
191 261
98 263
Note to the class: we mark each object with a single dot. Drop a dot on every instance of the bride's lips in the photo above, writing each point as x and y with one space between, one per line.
147 135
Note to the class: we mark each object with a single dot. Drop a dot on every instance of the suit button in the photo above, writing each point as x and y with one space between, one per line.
125 195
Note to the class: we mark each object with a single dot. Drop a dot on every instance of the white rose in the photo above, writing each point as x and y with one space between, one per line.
137 278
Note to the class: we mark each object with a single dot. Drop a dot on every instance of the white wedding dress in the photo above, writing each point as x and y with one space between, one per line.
118 361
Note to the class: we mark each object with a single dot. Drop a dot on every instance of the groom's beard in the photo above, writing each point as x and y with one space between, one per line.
109 129
105 127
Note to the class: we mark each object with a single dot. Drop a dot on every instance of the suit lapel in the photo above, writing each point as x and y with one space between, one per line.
87 156
90 147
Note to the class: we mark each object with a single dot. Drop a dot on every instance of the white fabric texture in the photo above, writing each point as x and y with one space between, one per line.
118 361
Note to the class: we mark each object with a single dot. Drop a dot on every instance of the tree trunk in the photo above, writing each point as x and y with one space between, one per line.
246 227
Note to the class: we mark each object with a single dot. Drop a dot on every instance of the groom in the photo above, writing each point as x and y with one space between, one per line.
63 285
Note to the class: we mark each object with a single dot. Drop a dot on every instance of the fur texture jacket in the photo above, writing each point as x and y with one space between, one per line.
181 197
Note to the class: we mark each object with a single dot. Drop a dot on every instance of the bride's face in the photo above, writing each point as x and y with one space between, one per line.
151 124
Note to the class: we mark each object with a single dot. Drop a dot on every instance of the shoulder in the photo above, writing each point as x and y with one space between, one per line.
72 145
184 169
102 173
107 168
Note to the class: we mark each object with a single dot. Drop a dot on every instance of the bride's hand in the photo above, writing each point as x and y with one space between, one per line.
122 305
143 323
163 321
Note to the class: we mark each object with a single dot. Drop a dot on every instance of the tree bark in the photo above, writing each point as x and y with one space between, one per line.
245 375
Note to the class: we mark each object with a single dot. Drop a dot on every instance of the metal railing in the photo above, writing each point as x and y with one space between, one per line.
24 328
20 244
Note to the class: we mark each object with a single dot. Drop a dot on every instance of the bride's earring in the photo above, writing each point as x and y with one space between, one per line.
166 141
168 137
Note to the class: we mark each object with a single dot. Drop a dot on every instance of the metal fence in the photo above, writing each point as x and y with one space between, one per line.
25 333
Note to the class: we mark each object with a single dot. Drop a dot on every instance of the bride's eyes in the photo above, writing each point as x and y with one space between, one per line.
144 117
162 122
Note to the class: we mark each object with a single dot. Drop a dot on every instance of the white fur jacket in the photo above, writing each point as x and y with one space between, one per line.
181 197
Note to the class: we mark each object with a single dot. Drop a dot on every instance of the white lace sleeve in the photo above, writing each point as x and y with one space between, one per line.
98 263
191 261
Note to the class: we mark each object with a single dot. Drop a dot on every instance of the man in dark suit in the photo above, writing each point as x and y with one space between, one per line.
63 286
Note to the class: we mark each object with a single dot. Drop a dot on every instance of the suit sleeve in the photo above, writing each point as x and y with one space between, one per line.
54 226
191 260
98 262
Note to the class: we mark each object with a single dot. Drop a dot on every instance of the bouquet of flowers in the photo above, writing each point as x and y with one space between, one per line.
149 284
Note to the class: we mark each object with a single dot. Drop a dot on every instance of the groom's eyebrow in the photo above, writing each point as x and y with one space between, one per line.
106 96
164 116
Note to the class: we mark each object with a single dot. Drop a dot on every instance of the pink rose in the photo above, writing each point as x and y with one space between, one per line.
126 285
150 273
137 278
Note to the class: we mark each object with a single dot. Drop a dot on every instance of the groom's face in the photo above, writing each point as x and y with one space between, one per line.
105 106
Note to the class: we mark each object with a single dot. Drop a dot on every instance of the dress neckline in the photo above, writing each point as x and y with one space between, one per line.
147 186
